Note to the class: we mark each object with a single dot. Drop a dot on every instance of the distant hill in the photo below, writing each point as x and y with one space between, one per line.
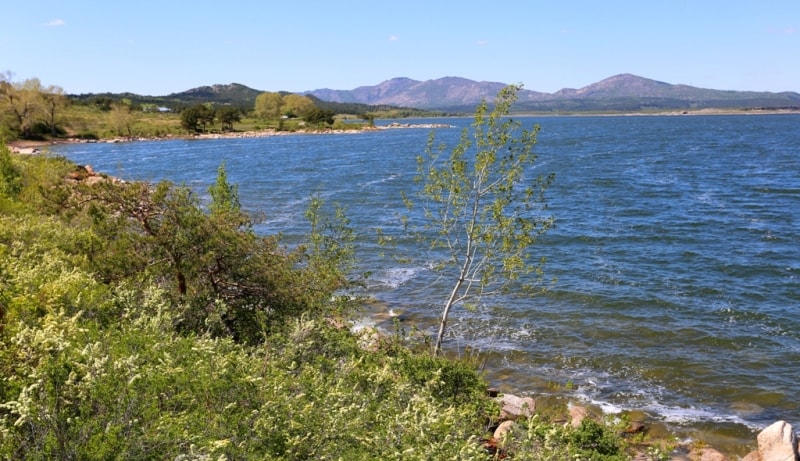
243 97
234 94
624 92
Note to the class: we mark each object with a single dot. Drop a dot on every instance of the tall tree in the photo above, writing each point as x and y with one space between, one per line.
121 118
22 100
485 208
53 102
227 116
295 105
196 118
268 105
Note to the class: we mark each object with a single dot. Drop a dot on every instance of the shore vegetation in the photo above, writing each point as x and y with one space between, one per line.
139 322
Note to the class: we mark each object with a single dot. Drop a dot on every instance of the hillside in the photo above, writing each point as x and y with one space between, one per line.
624 92
234 94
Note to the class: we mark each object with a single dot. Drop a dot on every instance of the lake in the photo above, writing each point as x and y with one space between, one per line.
676 254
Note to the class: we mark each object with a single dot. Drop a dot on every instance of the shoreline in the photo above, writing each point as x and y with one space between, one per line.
23 146
734 441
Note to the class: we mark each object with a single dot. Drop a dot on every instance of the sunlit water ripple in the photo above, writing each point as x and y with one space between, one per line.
676 252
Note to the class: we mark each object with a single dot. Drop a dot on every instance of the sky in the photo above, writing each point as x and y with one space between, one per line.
161 47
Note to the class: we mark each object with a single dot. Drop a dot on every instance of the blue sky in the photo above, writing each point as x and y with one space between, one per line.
160 47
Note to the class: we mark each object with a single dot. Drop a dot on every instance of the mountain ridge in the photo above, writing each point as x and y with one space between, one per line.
618 92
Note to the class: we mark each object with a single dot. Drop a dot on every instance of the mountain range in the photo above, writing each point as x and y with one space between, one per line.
624 92
620 93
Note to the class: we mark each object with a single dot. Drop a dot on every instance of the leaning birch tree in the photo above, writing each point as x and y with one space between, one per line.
484 208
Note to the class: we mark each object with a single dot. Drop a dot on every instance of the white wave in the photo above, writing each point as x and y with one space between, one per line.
671 414
397 276
379 181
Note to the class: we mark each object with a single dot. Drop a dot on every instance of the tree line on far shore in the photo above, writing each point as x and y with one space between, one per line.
33 111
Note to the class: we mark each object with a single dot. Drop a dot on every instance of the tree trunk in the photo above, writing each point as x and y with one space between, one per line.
437 348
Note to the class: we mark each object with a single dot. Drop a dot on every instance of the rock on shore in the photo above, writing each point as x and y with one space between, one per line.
778 442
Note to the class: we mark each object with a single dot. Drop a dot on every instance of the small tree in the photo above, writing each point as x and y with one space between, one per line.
195 118
224 195
53 102
22 101
319 116
485 207
296 105
369 118
121 118
227 116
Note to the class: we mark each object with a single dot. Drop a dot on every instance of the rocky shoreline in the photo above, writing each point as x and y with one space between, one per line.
778 442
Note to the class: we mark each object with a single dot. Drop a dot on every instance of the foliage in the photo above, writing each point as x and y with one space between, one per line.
197 117
295 105
484 206
319 116
268 105
224 195
10 181
538 440
227 116
52 105
121 119
21 102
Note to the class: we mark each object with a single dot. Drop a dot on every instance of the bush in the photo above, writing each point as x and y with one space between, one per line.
87 135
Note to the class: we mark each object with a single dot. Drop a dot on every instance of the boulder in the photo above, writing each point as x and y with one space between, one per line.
778 442
706 454
513 407
502 432
577 414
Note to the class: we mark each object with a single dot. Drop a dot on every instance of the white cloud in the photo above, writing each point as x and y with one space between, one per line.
55 23
393 38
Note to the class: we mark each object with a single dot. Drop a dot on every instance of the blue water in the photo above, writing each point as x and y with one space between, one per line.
676 252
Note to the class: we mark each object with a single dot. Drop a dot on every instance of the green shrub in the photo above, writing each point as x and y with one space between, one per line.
10 177
87 135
